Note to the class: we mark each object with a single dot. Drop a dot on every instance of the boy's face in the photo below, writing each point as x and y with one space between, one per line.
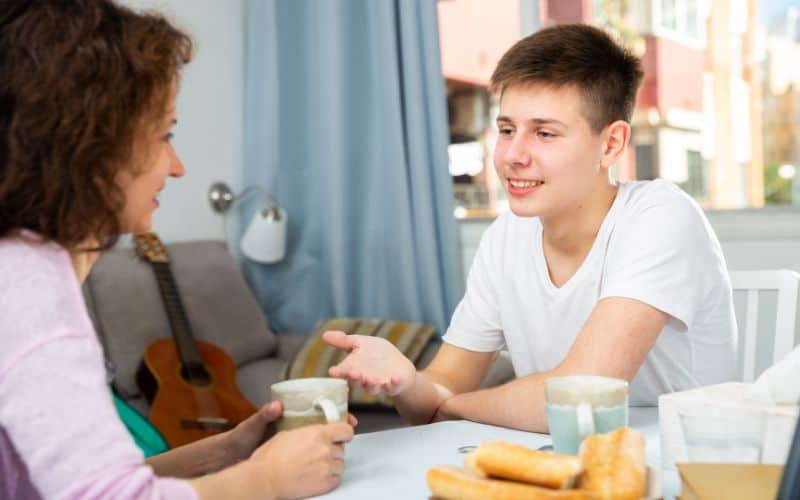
547 156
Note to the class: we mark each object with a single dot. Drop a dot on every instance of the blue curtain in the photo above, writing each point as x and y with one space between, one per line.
346 125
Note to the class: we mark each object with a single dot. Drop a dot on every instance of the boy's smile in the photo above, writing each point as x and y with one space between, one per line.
522 187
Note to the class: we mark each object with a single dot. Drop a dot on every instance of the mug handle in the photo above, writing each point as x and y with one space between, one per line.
328 408
585 420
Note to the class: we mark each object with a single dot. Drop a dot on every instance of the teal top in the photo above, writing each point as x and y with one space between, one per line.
146 436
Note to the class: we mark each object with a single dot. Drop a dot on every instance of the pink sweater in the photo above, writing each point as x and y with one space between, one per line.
60 436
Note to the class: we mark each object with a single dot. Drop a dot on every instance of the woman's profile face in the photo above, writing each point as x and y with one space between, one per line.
142 188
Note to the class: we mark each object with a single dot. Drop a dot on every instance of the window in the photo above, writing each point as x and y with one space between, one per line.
694 114
669 18
645 162
679 18
692 19
695 184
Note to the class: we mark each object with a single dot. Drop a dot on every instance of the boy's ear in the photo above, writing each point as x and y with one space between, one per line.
617 136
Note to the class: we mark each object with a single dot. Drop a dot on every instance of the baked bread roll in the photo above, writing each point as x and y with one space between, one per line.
512 461
471 464
454 483
613 465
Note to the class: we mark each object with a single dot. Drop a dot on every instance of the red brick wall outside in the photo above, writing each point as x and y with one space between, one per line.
561 12
474 34
673 76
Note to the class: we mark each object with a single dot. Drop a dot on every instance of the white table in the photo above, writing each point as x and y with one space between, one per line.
392 464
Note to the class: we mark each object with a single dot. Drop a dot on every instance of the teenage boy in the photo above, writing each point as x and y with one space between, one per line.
585 275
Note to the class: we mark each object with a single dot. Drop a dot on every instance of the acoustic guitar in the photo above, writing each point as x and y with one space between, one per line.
190 384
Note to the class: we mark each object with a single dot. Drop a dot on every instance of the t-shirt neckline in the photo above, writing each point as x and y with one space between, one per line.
606 226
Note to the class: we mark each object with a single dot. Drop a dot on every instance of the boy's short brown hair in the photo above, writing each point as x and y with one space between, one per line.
606 74
79 82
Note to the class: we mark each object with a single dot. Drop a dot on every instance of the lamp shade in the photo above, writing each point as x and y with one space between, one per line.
264 239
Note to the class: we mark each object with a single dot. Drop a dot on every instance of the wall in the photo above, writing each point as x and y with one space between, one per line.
474 34
759 239
208 136
561 12
673 75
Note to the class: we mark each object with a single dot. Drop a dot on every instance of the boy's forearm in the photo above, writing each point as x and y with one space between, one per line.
519 404
418 404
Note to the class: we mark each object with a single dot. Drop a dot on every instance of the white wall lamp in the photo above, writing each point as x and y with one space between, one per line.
264 239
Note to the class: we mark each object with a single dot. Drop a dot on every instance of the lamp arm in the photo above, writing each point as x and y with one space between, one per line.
254 189
221 197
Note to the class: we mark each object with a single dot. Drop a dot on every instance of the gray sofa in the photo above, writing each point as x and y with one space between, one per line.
124 302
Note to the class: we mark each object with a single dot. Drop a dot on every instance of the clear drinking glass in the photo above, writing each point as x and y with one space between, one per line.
723 435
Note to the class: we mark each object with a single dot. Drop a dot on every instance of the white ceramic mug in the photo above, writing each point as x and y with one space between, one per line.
308 401
581 405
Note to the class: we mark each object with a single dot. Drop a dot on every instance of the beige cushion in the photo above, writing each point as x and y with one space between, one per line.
315 357
128 311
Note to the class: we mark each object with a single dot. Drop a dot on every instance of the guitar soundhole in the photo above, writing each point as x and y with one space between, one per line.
195 374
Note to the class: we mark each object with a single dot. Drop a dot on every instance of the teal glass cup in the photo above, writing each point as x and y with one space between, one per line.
581 405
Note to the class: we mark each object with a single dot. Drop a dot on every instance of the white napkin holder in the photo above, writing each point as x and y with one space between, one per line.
780 424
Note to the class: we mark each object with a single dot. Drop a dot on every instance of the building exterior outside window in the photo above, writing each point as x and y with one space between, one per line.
717 113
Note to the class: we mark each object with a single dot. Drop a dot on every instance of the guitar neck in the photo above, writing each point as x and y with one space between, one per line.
181 330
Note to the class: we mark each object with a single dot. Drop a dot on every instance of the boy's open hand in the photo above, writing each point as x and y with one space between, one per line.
373 362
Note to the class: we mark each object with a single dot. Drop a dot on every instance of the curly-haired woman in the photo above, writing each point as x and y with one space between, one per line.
87 104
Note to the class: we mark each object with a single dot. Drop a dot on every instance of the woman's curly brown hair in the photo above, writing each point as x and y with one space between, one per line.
78 81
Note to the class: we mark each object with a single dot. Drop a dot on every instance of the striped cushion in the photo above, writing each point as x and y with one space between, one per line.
315 357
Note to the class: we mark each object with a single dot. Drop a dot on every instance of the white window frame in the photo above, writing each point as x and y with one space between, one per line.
681 34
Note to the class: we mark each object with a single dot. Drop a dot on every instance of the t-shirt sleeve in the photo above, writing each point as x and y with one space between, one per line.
476 324
664 254
58 413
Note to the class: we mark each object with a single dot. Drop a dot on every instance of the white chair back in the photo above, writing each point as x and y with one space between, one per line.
785 283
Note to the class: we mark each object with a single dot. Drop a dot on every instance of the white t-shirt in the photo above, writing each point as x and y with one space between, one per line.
655 245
